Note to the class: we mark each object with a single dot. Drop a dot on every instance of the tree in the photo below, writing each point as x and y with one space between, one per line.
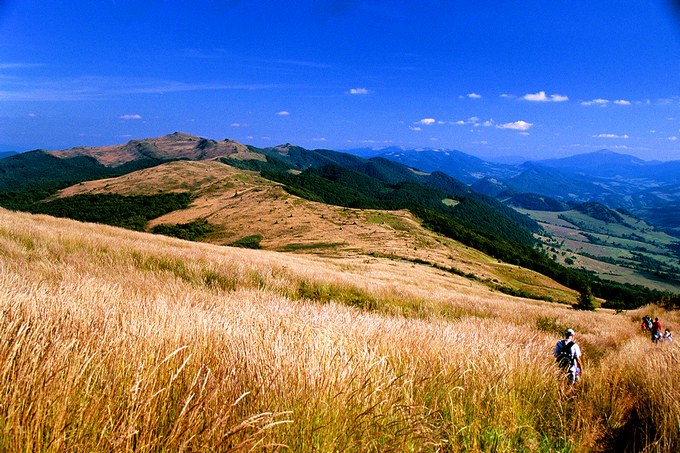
585 299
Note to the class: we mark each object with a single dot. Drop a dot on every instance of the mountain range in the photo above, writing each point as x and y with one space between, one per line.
648 189
157 185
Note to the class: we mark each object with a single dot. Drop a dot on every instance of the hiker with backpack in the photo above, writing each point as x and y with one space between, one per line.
568 356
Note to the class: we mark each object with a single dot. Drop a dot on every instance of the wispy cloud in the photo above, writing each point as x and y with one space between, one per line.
474 96
604 102
516 126
473 120
134 116
599 101
359 91
19 65
101 88
426 121
541 96
611 136
283 113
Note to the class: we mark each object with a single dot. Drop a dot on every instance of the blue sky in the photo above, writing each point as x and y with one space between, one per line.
545 78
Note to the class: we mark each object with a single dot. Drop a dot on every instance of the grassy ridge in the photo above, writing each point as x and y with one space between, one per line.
112 340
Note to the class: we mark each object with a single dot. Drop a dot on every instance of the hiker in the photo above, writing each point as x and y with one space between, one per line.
667 336
643 324
568 356
656 330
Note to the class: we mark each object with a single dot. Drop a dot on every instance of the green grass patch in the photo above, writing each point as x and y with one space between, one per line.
382 218
550 325
325 292
248 242
313 246
192 231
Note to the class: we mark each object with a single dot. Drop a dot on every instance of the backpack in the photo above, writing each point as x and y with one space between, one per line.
649 323
564 356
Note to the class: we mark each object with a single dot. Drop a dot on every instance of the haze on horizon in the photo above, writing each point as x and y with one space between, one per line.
490 78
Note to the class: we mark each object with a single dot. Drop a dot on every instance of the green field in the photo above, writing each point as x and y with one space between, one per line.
631 251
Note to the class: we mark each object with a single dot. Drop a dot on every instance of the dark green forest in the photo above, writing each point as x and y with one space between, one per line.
132 212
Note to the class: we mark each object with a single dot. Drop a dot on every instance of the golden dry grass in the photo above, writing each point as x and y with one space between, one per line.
112 340
241 203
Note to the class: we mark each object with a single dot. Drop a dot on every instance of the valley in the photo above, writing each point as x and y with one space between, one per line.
631 252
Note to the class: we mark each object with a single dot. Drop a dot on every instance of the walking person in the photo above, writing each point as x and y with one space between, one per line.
656 330
568 356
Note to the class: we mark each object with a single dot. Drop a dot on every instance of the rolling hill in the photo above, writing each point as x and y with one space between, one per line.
239 204
315 201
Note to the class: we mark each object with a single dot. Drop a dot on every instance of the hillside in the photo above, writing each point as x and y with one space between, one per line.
240 204
125 341
151 195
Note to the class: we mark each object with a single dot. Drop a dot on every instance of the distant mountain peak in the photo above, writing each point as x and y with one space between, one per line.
178 145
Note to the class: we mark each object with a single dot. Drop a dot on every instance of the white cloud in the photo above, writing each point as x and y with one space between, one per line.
598 101
416 128
426 121
130 117
474 96
319 139
542 97
611 136
559 98
473 120
359 91
516 126
672 138
283 113
235 124
508 96
622 102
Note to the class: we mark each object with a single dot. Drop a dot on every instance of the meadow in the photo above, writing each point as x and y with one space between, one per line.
114 340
